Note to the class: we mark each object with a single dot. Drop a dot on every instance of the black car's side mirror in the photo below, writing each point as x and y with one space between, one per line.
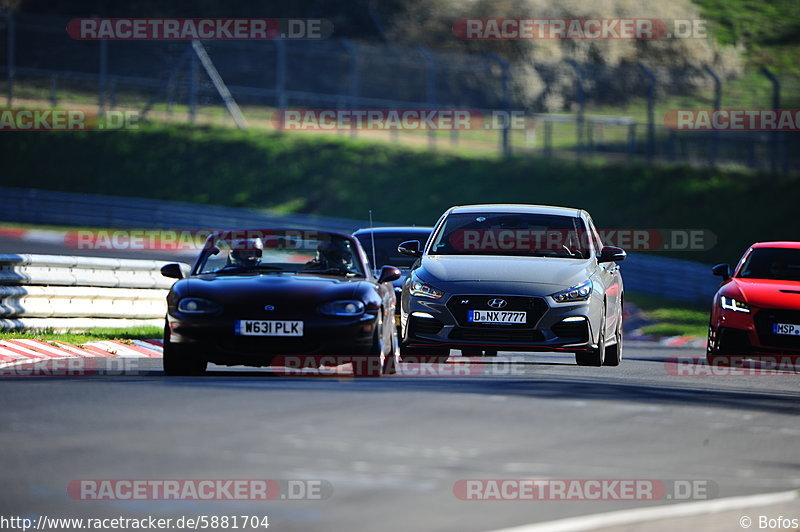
389 274
611 254
172 270
722 270
410 248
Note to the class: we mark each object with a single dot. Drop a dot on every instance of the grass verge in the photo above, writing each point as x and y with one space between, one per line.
673 318
91 335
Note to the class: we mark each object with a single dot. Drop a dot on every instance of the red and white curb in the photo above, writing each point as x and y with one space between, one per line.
23 351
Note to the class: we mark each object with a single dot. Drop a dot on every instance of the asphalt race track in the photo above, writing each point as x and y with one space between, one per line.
393 448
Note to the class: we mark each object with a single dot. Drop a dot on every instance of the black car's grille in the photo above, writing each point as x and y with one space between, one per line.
764 321
425 325
578 329
494 334
535 307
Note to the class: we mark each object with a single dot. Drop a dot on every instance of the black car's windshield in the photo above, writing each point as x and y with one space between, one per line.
512 234
386 248
282 252
772 263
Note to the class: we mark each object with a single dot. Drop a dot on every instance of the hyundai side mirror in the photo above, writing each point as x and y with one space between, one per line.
410 248
611 254
722 270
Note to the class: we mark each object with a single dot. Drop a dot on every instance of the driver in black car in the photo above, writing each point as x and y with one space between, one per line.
333 255
246 253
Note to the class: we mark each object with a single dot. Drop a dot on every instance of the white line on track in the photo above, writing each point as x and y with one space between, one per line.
639 515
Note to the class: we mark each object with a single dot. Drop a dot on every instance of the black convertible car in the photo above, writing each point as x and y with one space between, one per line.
284 297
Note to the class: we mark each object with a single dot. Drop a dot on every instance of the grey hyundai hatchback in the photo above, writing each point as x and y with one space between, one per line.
513 278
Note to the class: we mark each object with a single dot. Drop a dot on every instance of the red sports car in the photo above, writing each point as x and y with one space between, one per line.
756 311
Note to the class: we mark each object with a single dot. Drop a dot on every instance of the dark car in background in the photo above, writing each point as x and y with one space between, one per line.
756 311
514 278
281 297
385 241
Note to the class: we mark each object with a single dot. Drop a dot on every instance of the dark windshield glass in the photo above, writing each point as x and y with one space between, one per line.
772 263
512 234
386 248
282 251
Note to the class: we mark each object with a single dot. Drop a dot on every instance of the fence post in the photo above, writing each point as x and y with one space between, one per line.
352 49
101 90
714 145
505 141
776 104
651 103
430 87
10 72
580 97
193 82
280 73
54 90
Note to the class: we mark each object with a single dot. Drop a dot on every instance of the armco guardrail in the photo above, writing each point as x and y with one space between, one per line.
44 207
669 278
64 292
648 274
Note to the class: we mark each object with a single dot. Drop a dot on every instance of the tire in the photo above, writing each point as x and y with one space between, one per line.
372 364
179 361
391 360
613 355
596 356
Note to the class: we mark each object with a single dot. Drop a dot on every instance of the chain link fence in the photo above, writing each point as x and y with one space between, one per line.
568 109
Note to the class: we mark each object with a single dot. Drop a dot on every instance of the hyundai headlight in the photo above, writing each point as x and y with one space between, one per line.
420 289
579 292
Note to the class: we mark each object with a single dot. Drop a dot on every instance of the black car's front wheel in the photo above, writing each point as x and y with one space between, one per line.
179 361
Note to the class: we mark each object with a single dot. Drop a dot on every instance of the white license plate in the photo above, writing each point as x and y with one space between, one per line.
269 328
496 316
786 328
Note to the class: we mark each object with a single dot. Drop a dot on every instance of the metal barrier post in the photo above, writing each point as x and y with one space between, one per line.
10 73
352 49
651 103
280 74
776 104
430 87
714 146
580 97
103 82
505 141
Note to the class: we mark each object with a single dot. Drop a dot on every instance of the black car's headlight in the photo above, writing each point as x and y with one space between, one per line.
579 292
728 303
197 305
420 289
349 307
